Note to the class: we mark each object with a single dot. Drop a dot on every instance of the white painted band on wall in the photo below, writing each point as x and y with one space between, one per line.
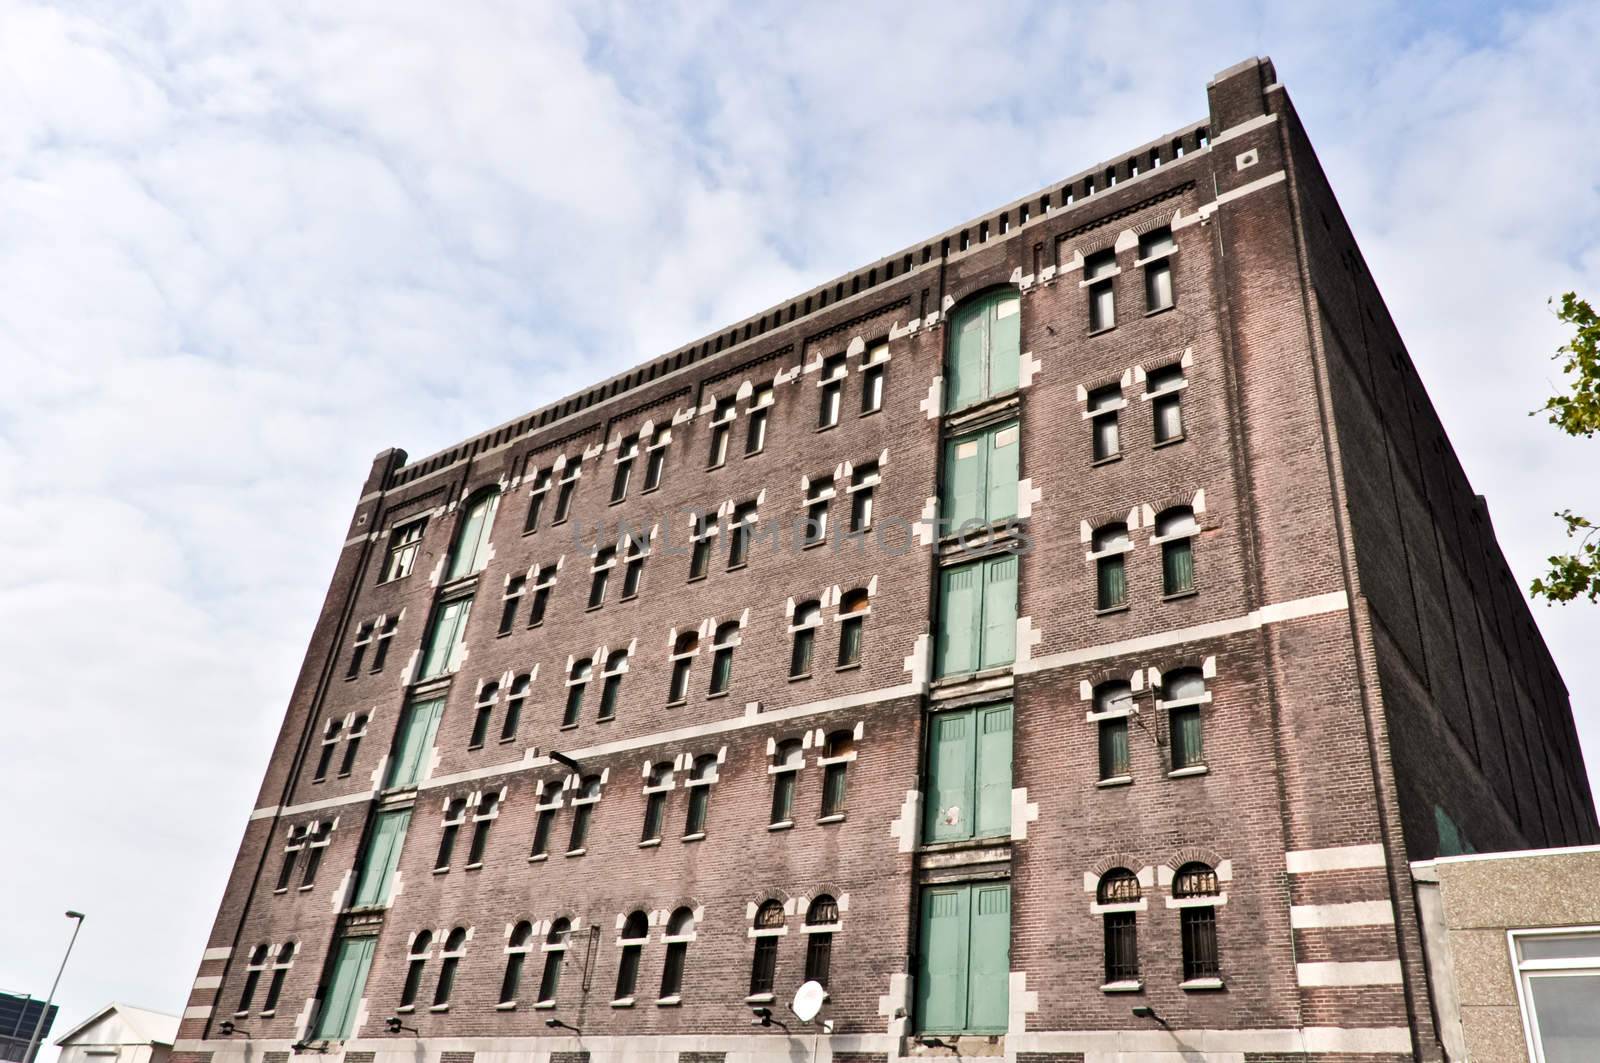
1335 858
199 1012
1348 973
208 981
220 952
1351 913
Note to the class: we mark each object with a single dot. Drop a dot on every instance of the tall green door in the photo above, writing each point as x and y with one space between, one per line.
348 982
414 742
382 857
993 811
989 978
964 959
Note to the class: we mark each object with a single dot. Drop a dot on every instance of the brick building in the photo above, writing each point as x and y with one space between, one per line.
1056 639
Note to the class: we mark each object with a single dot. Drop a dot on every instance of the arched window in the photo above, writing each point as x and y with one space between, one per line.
555 953
635 932
352 743
1111 546
727 638
699 785
316 845
252 977
517 946
611 688
837 753
454 814
291 854
330 737
680 931
514 702
683 651
985 345
454 946
1119 891
577 683
488 809
471 550
1183 692
1113 704
822 919
419 960
656 787
582 812
807 617
280 970
764 964
487 696
1196 884
787 761
1175 531
853 609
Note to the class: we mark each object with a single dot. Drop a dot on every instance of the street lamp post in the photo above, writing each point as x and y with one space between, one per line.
38 1027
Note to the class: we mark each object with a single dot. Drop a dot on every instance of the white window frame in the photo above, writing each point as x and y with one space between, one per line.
1524 970
399 545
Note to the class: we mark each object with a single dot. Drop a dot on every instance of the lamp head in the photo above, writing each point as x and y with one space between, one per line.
75 915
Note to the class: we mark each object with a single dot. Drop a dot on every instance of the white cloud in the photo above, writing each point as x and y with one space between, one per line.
246 248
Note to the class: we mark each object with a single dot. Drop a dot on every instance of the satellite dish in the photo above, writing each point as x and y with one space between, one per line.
808 1000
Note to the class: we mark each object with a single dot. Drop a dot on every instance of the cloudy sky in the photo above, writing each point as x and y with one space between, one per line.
244 247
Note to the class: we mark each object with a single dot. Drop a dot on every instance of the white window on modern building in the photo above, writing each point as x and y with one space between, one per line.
1099 273
404 542
755 436
819 494
1164 389
1155 256
1558 986
1104 406
831 397
863 485
874 376
787 760
721 430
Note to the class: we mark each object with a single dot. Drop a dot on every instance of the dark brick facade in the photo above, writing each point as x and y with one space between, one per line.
1377 687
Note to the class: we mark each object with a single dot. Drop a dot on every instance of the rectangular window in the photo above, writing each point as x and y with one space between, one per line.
964 959
969 774
569 487
443 649
633 572
874 373
977 616
626 454
1155 249
1114 759
511 602
336 1020
755 439
705 528
600 579
1111 582
1098 273
413 743
981 477
381 858
655 465
832 397
536 498
863 484
1558 983
721 428
1198 927
542 584
1104 404
1121 947
404 542
819 493
1164 388
739 533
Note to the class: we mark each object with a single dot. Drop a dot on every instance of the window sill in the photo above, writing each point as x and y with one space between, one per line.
739 567
617 501
1102 331
307 886
869 413
403 1009
1201 983
439 1007
506 1005
441 870
1115 780
629 597
755 453
1174 441
696 579
535 623
837 817
1179 596
241 1014
1111 610
544 1004
503 634
569 726
352 678
1161 309
1135 985
508 739
281 889
713 695
697 836
649 843
595 608
814 543
797 678
537 857
760 998
784 825
268 1014
827 427
475 748
474 867
856 667
1109 459
1186 773
675 704
576 852
669 1002
625 1002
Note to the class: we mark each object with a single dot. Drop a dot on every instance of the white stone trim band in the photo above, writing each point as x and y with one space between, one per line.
1351 913
1336 858
1348 973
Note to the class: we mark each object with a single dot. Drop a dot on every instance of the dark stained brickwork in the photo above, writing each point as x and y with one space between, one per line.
1378 691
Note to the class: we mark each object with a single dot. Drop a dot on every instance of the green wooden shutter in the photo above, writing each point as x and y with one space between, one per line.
448 627
964 487
999 612
949 814
1177 566
965 363
1186 749
958 620
349 981
382 856
993 771
942 959
1001 478
1005 339
989 973
414 742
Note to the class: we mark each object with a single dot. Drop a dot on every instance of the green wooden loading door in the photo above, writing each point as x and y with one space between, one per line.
964 959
